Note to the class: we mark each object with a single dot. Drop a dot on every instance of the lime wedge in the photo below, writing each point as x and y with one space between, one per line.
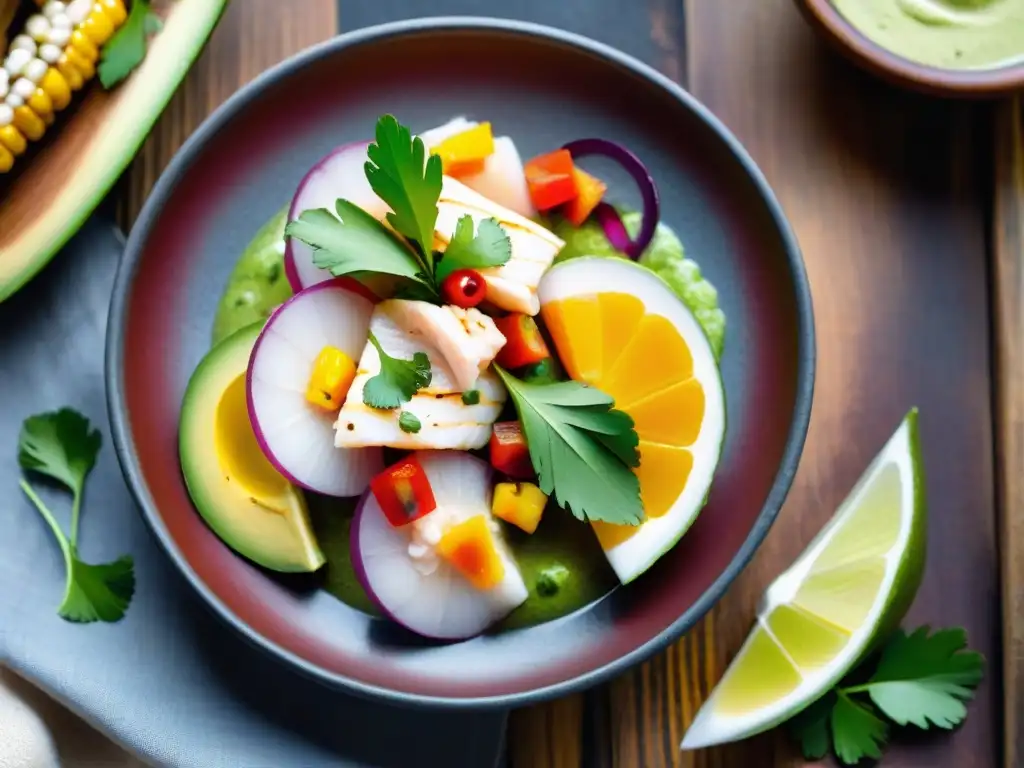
846 592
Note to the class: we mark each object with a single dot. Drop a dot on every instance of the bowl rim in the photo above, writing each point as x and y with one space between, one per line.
849 40
115 362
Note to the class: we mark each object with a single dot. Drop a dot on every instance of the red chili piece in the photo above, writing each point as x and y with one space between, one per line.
524 344
464 288
510 454
403 492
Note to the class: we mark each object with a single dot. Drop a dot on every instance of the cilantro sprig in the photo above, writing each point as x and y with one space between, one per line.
398 381
127 48
489 246
922 679
581 448
63 446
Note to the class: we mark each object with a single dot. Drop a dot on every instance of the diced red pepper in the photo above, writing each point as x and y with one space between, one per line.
403 492
550 179
524 344
590 192
510 454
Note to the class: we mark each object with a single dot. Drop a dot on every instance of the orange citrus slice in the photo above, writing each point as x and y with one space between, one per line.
618 327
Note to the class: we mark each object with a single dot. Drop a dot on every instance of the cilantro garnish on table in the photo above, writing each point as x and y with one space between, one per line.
63 446
921 679
398 381
581 448
127 48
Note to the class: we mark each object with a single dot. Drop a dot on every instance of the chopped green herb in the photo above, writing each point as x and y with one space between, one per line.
581 448
398 380
408 422
489 247
857 733
127 48
63 446
551 579
471 397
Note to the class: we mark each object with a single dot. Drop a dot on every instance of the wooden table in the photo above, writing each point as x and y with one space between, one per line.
891 196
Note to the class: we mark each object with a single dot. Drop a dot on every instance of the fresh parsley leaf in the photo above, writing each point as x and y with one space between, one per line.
810 727
925 679
581 448
408 422
353 242
398 379
63 446
489 247
856 732
405 177
471 397
127 48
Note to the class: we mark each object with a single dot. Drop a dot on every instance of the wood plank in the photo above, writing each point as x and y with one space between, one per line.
1008 310
881 189
252 36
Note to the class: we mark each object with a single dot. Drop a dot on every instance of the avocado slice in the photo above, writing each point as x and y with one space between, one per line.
239 494
87 149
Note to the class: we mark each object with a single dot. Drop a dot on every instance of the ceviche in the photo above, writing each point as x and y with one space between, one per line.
470 391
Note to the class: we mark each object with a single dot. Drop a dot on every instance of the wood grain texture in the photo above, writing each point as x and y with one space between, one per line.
1008 311
252 36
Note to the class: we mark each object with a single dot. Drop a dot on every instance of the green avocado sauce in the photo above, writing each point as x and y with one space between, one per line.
561 562
950 34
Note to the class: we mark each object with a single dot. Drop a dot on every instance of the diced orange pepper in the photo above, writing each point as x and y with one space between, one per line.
466 151
333 373
590 192
470 548
550 179
521 504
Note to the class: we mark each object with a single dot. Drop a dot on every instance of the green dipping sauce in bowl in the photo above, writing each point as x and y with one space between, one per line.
948 34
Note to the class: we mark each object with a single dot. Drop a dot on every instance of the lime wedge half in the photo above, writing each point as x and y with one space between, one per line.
849 588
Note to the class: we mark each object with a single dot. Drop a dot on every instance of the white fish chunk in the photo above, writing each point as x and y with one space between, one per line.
468 339
445 421
512 286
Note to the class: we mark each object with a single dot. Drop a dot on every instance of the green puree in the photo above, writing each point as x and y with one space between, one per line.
561 562
951 34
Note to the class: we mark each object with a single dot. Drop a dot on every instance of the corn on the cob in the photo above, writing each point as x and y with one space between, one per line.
55 55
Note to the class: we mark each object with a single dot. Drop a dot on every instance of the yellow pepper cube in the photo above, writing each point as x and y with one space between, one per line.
470 548
465 152
333 373
521 504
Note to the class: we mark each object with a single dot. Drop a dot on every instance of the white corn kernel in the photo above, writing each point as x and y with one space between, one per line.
61 21
50 53
14 101
53 8
35 70
6 115
38 27
23 88
60 36
5 81
17 61
24 43
77 10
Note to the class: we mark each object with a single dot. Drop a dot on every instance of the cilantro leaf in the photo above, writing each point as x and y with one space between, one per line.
127 48
398 379
355 242
61 445
98 592
856 732
925 679
581 448
489 247
405 177
810 727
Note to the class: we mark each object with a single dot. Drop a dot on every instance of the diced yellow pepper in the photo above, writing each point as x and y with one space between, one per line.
29 123
40 103
97 25
84 45
115 11
56 88
470 548
333 373
13 140
71 74
6 159
84 66
465 152
521 504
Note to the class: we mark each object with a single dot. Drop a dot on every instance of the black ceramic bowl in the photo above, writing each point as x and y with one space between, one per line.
542 87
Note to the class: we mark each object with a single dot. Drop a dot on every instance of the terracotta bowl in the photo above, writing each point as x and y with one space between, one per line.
543 87
834 27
